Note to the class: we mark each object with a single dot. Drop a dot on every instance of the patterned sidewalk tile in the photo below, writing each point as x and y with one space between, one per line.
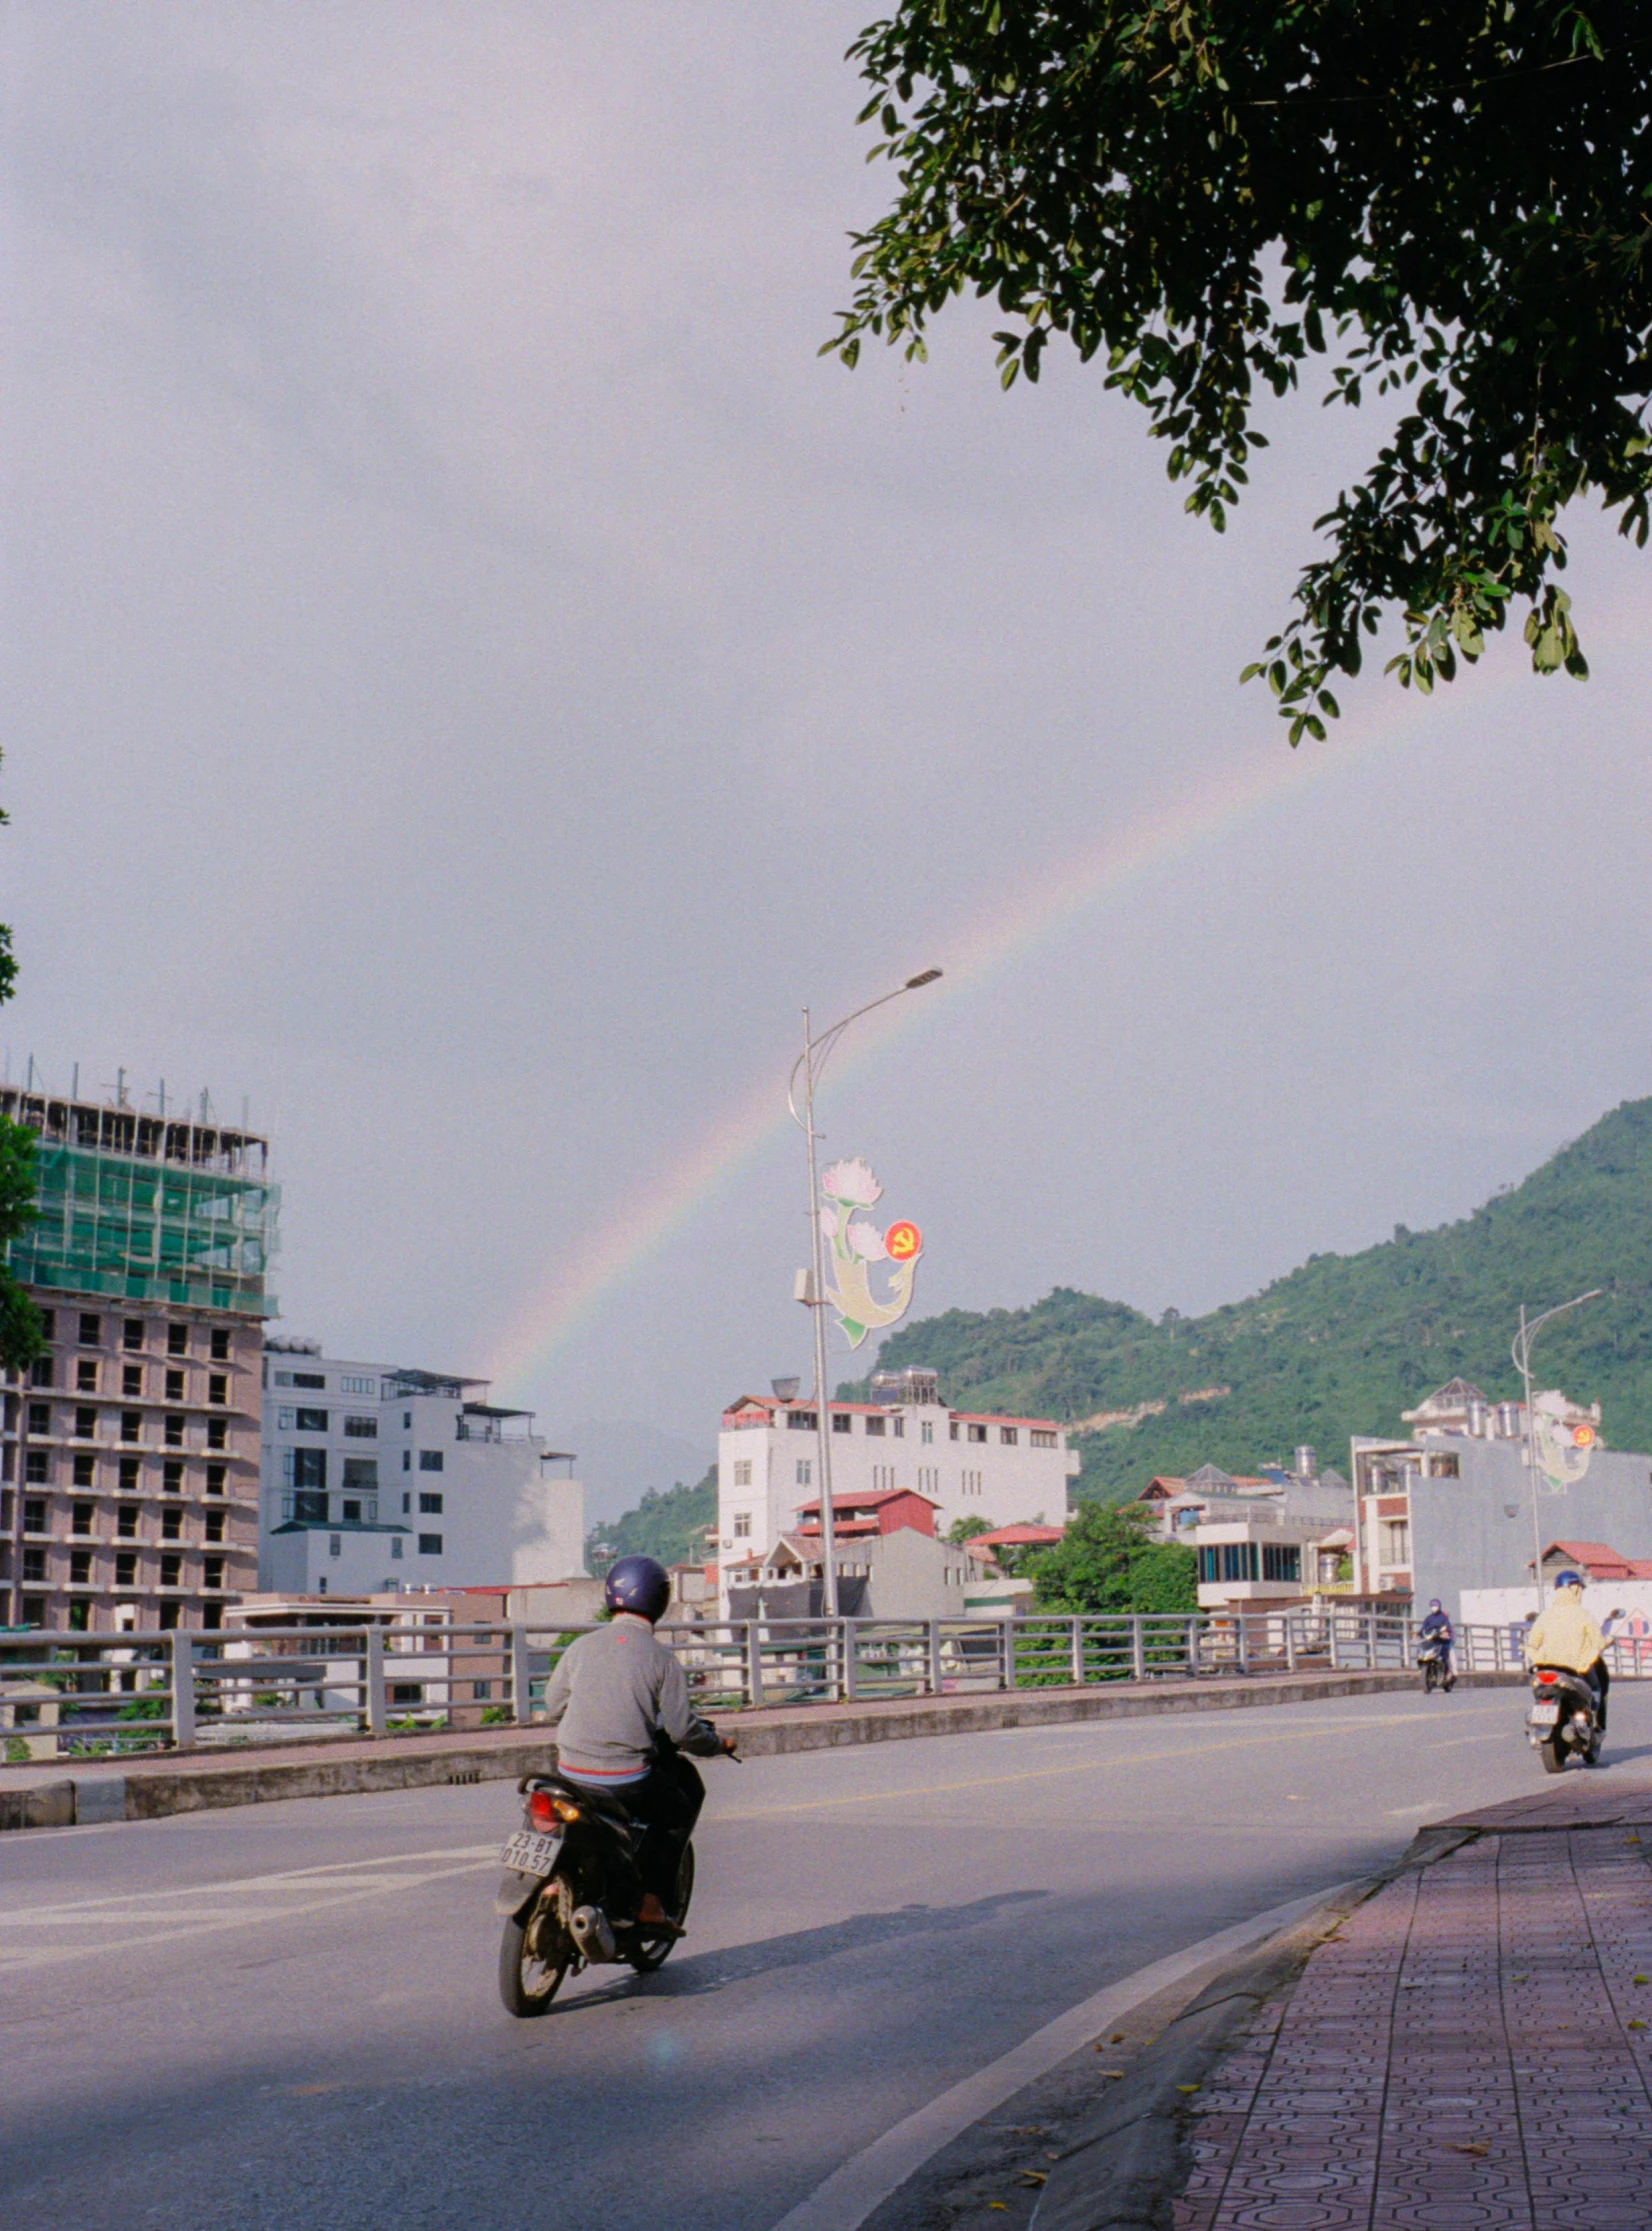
1465 2054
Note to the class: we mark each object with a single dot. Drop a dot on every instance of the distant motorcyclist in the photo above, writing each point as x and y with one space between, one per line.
1436 1631
1565 1637
613 1696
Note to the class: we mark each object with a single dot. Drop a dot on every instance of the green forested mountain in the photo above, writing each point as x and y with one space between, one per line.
668 1523
1345 1343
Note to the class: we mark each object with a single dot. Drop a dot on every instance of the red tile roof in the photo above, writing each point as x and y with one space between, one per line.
1600 1561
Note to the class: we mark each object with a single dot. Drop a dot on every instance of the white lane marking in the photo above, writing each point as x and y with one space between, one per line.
866 2180
174 1929
299 1878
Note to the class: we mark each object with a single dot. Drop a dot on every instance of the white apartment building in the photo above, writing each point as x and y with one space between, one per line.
969 1464
374 1477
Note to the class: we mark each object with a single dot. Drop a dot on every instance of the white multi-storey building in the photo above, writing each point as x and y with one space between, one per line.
375 1477
969 1464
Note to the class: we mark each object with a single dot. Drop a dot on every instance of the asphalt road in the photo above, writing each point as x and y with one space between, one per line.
284 2018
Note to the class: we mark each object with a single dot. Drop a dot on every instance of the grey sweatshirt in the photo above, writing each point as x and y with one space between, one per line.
610 1692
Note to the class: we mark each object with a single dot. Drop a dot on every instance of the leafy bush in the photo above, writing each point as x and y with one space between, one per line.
1111 1560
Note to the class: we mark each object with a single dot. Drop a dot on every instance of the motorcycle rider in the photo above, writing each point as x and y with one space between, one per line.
1437 1628
1566 1638
613 1695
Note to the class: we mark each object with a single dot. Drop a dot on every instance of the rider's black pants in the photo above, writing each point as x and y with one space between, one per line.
667 1804
1600 1680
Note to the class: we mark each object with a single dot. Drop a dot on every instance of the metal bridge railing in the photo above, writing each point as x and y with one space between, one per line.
102 1694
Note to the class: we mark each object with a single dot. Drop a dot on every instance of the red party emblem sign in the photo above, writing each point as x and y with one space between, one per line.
1583 1436
903 1242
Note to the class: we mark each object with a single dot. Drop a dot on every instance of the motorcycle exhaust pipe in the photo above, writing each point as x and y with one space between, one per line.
589 1926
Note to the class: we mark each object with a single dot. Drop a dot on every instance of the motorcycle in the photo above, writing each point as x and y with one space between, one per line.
1564 1720
571 1889
1433 1660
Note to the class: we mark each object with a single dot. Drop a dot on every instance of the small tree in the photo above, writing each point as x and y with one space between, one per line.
965 1529
1110 1559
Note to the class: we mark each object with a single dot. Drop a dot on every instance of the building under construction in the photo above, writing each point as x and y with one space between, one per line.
130 1450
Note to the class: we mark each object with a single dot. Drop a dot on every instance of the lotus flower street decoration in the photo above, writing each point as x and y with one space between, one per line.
849 1190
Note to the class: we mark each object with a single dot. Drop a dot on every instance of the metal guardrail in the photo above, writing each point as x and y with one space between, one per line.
90 1694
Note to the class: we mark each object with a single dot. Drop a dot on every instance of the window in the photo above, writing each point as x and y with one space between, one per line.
953 1429
1041 1438
131 1382
802 1421
214 1526
742 1472
126 1522
310 1421
37 1467
977 1432
131 1425
40 1372
171 1573
220 1343
126 1568
742 1526
34 1607
177 1340
897 1426
929 1480
309 1467
172 1475
406 1692
805 1472
883 1477
83 1470
407 1460
217 1433
80 1518
395 1545
131 1333
361 1471
34 1564
361 1429
309 1508
215 1479
34 1514
874 1426
86 1425
167 1616
48 1324
174 1433
335 1545
481 1691
175 1386
430 1506
352 1510
129 1475
430 1545
430 1460
407 1421
1229 1561
926 1430
969 1483
91 1331
1397 1541
172 1523
1009 1435
358 1386
86 1376
842 1423
80 1568
40 1417
1445 1468
1281 1561
316 1381
283 1378
217 1387
407 1504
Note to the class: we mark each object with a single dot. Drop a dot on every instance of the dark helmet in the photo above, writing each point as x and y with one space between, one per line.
637 1584
1568 1580
1434 1603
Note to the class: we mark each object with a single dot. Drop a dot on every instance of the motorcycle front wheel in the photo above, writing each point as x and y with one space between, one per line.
648 1953
534 1956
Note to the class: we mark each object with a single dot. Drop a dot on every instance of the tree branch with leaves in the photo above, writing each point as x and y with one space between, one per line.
1449 207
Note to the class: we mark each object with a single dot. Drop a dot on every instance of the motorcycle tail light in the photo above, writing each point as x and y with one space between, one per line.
1547 1680
542 1808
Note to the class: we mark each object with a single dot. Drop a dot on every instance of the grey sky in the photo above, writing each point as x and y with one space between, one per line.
471 672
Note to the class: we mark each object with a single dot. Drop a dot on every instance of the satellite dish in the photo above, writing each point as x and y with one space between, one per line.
785 1390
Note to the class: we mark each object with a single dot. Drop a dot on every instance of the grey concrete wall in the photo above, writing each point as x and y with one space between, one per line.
1462 1535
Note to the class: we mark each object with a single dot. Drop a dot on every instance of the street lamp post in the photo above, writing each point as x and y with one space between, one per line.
812 1061
1522 1353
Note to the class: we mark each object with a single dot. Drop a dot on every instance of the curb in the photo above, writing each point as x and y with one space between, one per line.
1144 2125
350 1766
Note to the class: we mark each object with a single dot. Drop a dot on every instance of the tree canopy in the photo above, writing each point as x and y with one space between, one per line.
1111 1559
1450 206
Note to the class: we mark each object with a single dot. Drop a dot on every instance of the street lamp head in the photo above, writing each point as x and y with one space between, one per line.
917 983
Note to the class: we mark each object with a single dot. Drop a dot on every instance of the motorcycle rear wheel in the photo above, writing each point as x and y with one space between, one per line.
531 1966
1553 1754
648 1953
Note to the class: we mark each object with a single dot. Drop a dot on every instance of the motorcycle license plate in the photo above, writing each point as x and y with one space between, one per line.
1545 1715
529 1854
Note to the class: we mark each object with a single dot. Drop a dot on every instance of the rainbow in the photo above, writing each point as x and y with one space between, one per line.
581 1286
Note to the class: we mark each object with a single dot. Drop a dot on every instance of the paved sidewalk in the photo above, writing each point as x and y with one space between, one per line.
1471 2048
